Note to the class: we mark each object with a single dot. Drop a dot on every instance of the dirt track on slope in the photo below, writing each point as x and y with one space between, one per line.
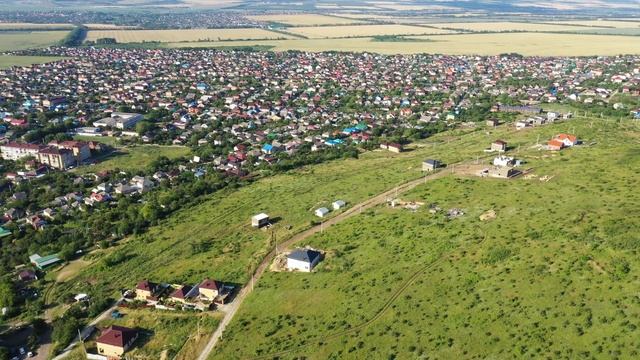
264 264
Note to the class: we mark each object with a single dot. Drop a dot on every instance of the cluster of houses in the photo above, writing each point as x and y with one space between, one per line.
206 100
539 120
199 296
66 204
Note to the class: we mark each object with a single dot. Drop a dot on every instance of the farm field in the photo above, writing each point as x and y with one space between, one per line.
134 158
531 44
504 26
106 26
319 32
410 7
32 26
548 277
212 3
29 39
7 61
602 23
608 31
135 36
305 19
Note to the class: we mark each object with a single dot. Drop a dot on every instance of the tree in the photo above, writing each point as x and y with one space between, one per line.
144 127
64 330
4 353
7 294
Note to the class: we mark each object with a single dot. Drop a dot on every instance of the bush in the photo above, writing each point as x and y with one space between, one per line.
496 255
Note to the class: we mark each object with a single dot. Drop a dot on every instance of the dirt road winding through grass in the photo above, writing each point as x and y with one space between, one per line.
354 210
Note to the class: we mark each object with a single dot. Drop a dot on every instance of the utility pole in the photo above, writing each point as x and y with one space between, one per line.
274 239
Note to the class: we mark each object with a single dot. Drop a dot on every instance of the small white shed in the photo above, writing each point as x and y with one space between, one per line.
260 220
322 212
338 204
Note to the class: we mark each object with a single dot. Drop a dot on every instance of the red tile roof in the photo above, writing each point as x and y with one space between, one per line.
23 146
555 143
117 336
210 284
182 292
571 138
146 285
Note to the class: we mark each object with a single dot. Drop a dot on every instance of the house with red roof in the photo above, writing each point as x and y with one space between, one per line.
555 145
115 341
182 294
567 139
210 289
147 290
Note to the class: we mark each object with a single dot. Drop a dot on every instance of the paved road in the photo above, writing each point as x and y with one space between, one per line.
356 209
94 322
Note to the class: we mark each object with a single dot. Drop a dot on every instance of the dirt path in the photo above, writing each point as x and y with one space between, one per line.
354 210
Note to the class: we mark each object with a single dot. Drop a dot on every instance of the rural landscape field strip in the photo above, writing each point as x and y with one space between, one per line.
528 44
185 35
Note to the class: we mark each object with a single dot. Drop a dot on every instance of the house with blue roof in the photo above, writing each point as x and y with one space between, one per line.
202 87
334 142
28 104
350 130
269 149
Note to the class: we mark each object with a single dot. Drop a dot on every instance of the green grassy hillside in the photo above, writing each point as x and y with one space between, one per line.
552 276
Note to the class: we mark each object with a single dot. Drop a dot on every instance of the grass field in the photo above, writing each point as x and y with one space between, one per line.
29 39
319 32
531 44
32 26
505 26
552 276
134 158
128 36
8 61
305 19
109 140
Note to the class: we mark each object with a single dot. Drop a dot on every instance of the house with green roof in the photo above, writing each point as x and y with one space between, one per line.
4 232
44 262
